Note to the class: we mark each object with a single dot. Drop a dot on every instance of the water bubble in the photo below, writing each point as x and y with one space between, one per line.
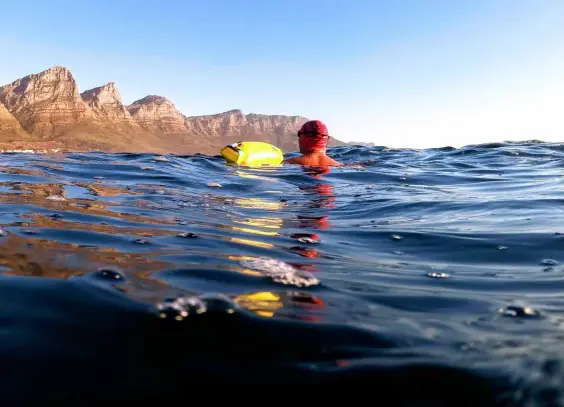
518 311
436 274
187 235
396 237
141 241
214 185
281 272
110 273
501 247
312 238
178 309
548 262
219 304
398 252
98 177
161 158
299 278
307 240
267 264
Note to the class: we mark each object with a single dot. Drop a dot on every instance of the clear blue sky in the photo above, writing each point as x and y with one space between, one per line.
402 73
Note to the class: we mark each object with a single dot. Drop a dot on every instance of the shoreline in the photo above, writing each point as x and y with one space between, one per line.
54 147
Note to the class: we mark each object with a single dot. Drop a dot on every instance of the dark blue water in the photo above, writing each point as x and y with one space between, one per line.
423 278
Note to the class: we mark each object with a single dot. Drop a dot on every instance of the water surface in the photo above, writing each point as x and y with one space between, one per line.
425 278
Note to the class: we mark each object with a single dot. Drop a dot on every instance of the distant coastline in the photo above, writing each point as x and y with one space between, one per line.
45 112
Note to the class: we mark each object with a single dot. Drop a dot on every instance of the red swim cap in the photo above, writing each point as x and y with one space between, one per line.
313 128
313 135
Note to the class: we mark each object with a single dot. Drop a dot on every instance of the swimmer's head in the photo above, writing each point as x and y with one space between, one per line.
313 137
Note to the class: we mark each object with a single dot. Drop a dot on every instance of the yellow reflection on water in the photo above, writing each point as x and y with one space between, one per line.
239 258
247 174
258 203
263 303
249 272
254 231
289 304
251 242
270 223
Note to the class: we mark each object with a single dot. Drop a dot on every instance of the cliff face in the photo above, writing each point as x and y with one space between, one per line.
10 128
283 129
157 114
105 103
45 103
222 125
227 127
48 106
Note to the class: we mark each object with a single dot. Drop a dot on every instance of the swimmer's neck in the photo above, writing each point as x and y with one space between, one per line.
315 159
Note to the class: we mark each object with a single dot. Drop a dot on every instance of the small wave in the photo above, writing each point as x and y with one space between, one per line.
426 277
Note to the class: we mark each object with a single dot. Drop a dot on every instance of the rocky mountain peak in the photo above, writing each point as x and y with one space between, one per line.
105 102
44 103
151 99
47 108
157 113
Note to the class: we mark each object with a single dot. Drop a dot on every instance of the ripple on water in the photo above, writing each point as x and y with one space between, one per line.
421 271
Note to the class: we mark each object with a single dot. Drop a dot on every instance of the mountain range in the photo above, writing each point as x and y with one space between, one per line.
46 111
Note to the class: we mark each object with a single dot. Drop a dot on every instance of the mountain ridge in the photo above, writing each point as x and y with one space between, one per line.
47 109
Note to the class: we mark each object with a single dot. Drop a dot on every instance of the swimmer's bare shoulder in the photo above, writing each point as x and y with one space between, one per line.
314 161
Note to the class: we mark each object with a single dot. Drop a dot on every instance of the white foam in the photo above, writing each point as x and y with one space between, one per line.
281 272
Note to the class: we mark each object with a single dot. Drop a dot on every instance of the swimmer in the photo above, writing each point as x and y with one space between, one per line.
313 138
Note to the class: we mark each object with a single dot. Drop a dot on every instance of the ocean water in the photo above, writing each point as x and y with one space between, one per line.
421 278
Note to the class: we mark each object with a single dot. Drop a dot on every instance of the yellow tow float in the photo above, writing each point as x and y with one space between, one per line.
252 153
